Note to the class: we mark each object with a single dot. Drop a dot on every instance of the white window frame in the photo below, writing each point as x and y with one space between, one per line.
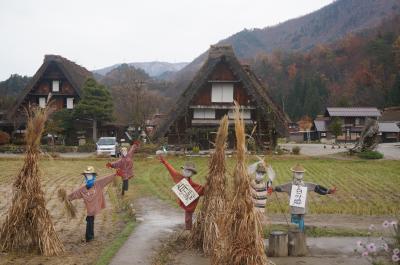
245 114
222 92
70 103
42 102
55 86
204 114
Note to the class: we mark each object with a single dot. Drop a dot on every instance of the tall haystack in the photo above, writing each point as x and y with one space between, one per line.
241 240
28 226
205 232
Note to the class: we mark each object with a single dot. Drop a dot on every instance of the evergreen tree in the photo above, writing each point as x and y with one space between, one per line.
95 105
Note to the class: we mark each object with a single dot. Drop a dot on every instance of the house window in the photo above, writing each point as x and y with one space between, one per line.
42 102
323 134
222 93
357 121
203 114
246 114
56 86
70 103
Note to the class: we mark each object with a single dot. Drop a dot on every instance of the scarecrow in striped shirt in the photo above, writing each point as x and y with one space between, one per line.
259 186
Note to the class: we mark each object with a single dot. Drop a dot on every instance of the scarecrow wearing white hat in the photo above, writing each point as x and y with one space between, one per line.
93 197
297 190
260 188
125 164
188 170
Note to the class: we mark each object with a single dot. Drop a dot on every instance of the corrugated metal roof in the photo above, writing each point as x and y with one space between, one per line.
320 125
353 112
388 127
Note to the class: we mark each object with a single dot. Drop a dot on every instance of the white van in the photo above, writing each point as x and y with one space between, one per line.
107 146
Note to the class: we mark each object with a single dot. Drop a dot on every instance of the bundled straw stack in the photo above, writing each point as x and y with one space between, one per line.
241 239
205 231
28 226
69 207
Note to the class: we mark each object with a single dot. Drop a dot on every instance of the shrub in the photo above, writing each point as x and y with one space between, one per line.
196 150
87 148
148 148
4 138
296 150
370 155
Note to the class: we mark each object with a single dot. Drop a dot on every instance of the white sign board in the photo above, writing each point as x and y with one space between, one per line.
185 192
298 196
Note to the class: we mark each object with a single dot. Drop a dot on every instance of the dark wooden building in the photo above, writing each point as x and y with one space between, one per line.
222 80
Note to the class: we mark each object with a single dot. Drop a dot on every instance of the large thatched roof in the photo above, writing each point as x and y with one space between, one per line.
217 54
73 72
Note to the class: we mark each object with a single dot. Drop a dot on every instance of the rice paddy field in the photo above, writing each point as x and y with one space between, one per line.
364 188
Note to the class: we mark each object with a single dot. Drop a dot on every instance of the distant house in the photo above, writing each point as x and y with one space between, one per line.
352 120
195 117
389 124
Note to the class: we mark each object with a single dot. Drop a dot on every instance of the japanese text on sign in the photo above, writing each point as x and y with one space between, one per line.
298 196
185 192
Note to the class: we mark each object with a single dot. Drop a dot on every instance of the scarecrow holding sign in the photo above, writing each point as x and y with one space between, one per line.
125 164
92 195
186 189
297 190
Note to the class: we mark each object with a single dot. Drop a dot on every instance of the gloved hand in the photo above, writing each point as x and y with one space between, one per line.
137 143
108 165
119 172
332 190
270 190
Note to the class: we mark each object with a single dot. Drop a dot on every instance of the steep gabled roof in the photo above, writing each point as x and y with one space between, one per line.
391 114
353 112
74 73
217 54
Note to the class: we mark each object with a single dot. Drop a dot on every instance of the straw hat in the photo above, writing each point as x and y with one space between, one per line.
261 168
298 168
89 170
123 149
190 166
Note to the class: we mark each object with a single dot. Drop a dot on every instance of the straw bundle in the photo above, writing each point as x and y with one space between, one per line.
69 207
28 226
241 240
205 230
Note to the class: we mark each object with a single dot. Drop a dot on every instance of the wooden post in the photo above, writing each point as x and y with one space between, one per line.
278 244
297 243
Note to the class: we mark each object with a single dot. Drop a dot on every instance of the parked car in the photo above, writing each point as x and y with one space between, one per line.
107 146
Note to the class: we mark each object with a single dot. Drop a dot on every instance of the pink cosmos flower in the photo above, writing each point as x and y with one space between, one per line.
394 223
385 247
359 243
396 251
395 258
365 254
371 227
371 247
385 224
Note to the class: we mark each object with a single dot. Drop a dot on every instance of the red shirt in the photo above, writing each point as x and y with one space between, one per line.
176 177
125 164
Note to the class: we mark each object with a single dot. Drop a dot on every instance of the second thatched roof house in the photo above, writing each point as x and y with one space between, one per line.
194 118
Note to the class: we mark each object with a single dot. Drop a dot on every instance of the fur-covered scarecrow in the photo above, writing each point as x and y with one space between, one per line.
93 197
188 170
297 190
260 187
125 164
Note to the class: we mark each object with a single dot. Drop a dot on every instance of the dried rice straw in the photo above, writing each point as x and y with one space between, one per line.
205 230
28 225
69 207
241 241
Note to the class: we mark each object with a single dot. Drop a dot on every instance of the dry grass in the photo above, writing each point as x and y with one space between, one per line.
69 207
241 241
28 226
205 232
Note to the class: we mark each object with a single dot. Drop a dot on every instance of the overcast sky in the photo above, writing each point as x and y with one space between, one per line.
100 33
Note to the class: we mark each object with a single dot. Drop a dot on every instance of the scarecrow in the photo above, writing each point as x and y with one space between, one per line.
188 170
93 196
297 190
125 164
259 187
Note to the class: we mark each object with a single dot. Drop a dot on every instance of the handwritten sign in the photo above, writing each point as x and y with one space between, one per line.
185 192
298 196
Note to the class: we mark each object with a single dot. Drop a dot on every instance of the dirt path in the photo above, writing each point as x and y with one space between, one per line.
157 221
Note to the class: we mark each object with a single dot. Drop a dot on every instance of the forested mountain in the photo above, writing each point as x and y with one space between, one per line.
10 88
153 69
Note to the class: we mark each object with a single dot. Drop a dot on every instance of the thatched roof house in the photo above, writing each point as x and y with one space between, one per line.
58 76
211 94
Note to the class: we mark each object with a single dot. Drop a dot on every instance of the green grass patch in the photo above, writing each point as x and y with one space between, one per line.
108 253
370 155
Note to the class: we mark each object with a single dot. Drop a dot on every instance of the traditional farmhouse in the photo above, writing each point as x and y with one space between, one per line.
389 124
222 80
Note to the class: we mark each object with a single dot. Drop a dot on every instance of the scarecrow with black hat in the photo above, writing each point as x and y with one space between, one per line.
259 186
125 164
188 170
93 196
297 190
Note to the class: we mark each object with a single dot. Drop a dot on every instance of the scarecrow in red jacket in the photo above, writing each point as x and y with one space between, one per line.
93 197
125 164
188 170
